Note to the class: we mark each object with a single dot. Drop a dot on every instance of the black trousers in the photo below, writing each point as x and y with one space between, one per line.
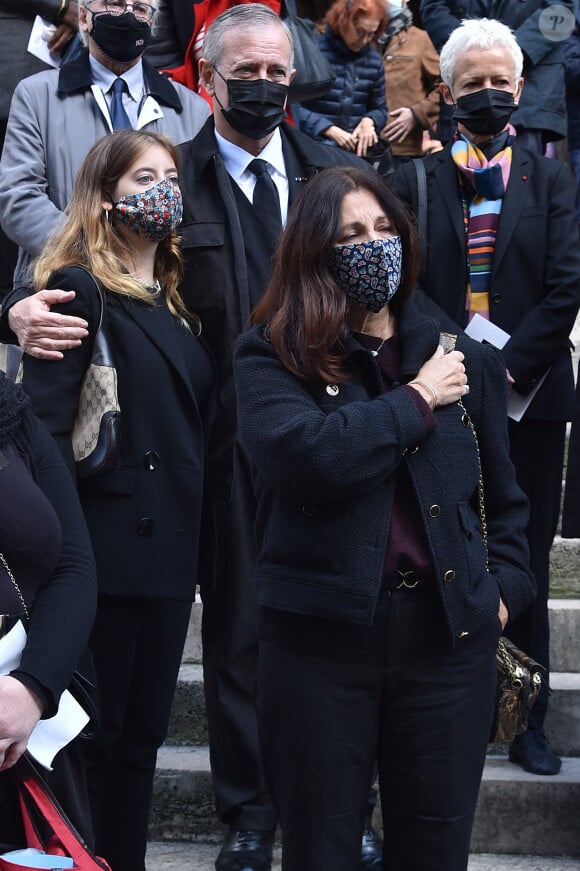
137 646
230 649
230 652
537 452
334 696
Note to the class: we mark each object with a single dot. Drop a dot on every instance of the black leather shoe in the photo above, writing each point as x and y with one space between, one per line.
532 752
246 850
371 849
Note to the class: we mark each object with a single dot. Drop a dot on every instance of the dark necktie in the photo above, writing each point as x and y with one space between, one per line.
119 118
266 199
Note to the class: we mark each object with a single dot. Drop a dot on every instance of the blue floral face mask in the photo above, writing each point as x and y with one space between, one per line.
368 272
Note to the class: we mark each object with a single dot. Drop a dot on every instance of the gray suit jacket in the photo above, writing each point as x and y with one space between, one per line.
53 122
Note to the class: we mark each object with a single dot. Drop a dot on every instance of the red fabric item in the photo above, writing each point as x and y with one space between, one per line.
65 841
204 13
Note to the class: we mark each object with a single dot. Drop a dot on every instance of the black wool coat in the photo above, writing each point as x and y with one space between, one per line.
144 516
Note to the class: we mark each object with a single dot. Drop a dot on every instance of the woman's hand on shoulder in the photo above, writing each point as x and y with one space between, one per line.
445 376
20 711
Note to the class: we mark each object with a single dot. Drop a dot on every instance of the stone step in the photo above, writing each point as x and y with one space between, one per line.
192 648
517 813
565 567
185 856
565 634
527 813
563 718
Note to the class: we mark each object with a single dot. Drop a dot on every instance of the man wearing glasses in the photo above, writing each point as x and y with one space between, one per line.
57 115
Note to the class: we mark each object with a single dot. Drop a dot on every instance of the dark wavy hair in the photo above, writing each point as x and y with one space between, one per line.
304 310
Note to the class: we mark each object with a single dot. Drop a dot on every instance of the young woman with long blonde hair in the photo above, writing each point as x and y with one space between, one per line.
144 514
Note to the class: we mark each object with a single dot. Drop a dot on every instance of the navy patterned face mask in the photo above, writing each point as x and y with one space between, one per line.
368 272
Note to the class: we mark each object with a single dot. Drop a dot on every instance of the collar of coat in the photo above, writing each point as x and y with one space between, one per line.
418 336
311 155
76 76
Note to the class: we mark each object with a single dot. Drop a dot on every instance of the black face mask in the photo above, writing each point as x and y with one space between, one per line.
121 38
256 106
485 111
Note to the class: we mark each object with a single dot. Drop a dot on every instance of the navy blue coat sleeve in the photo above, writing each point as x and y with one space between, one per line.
279 417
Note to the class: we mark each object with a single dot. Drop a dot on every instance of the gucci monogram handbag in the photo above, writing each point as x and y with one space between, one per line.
96 432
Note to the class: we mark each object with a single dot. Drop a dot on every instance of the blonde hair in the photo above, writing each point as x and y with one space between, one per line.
89 236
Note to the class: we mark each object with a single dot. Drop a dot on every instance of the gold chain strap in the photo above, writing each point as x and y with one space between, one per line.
16 587
447 342
480 490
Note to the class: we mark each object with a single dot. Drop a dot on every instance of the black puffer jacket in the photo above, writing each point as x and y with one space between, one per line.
357 92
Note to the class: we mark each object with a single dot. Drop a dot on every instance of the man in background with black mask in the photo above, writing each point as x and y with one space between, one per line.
57 115
502 242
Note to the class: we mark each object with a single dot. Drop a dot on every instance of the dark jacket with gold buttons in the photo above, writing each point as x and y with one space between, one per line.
326 460
144 516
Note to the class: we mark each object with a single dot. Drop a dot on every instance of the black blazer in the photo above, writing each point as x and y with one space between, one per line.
215 284
144 516
535 283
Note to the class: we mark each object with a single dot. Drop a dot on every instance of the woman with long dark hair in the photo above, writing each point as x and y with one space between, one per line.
143 514
384 575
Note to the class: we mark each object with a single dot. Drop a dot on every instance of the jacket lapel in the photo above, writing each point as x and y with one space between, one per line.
446 181
513 203
419 336
159 331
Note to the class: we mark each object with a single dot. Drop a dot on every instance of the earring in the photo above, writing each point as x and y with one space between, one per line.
107 215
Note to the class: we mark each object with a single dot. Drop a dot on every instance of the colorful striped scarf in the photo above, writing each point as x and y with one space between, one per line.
482 185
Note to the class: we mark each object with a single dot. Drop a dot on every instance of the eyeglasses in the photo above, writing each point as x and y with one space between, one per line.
367 35
142 11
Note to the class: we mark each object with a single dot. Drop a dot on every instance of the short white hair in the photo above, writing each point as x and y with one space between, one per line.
478 33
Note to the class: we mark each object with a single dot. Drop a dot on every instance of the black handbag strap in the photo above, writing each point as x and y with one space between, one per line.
421 207
102 350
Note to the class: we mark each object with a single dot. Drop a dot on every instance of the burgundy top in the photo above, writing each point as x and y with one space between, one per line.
407 547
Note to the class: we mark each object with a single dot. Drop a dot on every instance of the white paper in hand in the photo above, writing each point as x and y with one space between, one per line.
48 736
41 32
